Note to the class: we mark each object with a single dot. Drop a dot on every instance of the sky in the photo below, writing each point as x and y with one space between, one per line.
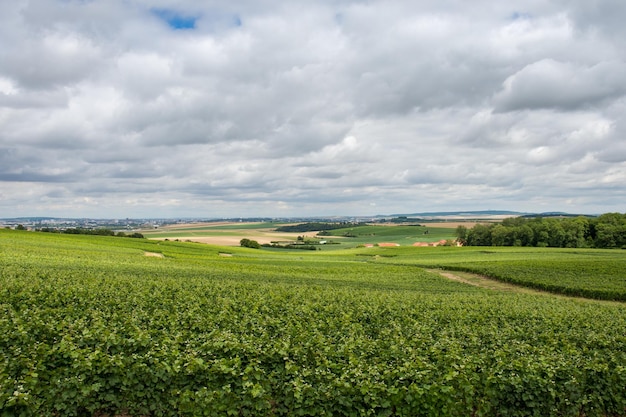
219 108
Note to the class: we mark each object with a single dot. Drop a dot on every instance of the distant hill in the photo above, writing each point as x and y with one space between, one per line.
29 219
479 213
556 214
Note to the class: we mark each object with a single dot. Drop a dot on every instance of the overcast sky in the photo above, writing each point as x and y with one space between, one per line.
219 108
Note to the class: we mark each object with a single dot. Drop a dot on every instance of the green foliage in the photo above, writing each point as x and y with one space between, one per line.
403 235
315 226
597 276
605 231
590 273
91 326
299 246
80 231
135 235
93 232
461 234
247 243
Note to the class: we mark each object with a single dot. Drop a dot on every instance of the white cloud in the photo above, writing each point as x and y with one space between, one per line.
265 107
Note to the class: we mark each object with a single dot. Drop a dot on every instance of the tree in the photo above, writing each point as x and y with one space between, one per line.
479 235
525 235
605 231
247 243
610 230
575 232
557 234
461 234
502 236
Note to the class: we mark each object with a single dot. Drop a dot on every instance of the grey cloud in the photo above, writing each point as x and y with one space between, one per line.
267 106
19 165
17 161
613 148
57 193
183 132
56 61
552 84
605 17
35 177
614 153
33 99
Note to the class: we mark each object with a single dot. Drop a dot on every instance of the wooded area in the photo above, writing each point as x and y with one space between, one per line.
605 231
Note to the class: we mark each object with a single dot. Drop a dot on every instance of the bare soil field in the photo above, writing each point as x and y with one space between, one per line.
230 237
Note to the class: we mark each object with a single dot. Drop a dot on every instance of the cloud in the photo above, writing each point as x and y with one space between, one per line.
552 84
144 108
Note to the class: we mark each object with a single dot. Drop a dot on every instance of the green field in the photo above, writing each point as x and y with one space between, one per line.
349 237
210 228
591 273
91 326
402 235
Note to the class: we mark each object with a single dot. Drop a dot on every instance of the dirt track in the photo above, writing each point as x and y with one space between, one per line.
480 281
492 284
255 234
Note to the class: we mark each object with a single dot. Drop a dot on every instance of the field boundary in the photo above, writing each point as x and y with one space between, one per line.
483 281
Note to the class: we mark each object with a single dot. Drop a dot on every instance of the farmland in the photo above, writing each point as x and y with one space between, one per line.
349 237
90 325
591 273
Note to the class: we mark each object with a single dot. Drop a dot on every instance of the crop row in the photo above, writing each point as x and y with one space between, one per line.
193 334
580 279
599 274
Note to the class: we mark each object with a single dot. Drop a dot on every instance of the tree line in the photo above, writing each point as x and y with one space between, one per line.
605 231
96 232
316 226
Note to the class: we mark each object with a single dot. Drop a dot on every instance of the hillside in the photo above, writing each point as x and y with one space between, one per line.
92 326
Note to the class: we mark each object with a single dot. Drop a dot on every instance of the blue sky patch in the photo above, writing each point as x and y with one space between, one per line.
176 20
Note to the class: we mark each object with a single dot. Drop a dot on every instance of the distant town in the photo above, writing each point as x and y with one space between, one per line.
38 223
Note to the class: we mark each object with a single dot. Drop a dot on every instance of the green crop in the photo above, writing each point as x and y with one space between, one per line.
591 273
91 326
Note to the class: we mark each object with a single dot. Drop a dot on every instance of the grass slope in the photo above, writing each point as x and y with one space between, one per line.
90 325
402 235
591 273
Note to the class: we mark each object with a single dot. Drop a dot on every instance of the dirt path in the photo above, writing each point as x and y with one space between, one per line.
482 281
492 284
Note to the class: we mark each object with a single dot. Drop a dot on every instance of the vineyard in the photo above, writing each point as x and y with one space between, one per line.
90 326
599 274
